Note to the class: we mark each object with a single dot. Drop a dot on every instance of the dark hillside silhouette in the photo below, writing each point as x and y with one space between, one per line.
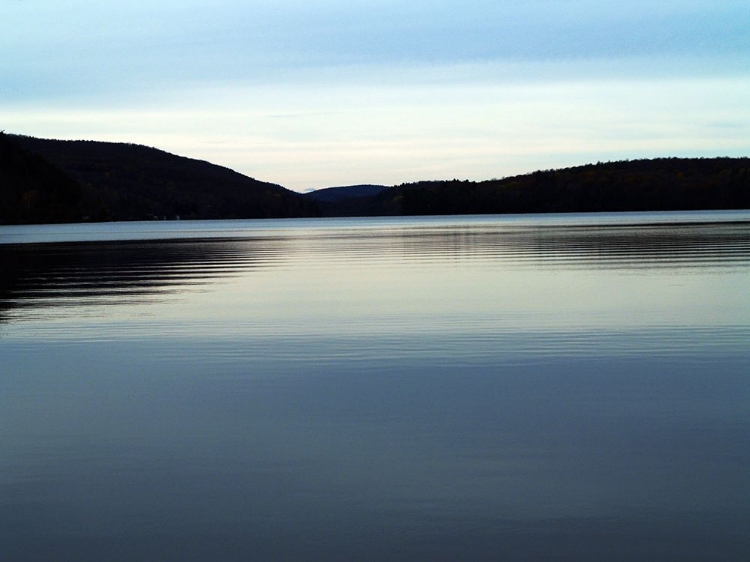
134 182
33 190
70 181
640 185
331 194
344 201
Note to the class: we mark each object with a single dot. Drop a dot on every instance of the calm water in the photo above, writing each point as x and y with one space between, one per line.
523 388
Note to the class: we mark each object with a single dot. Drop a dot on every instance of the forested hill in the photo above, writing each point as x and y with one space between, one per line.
70 181
118 181
638 185
34 191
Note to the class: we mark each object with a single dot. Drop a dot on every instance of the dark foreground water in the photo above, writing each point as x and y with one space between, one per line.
529 388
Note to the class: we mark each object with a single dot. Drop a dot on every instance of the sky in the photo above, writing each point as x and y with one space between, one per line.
325 93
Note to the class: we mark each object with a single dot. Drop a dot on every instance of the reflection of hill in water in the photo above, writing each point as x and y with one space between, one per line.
543 245
73 274
40 275
595 246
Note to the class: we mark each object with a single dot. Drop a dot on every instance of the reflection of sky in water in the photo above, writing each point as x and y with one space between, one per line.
496 389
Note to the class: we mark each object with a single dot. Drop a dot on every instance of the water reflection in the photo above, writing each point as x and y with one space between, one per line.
123 272
37 275
558 246
475 389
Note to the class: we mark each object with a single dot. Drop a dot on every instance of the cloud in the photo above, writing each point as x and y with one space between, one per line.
84 46
383 92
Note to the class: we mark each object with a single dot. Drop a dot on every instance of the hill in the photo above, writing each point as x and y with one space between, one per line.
33 190
120 181
68 181
640 185
346 200
331 194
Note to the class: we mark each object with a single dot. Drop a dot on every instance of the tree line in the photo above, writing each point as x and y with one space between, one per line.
47 181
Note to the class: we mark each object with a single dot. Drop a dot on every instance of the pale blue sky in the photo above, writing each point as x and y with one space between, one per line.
327 93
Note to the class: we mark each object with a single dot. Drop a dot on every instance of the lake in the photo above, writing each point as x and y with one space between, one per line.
560 387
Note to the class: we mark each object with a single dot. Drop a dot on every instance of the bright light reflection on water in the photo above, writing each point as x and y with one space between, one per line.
569 387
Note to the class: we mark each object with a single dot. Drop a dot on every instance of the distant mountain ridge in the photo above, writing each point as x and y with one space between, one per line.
330 194
350 200
72 181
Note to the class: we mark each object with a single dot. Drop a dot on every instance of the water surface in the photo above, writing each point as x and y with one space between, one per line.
570 387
